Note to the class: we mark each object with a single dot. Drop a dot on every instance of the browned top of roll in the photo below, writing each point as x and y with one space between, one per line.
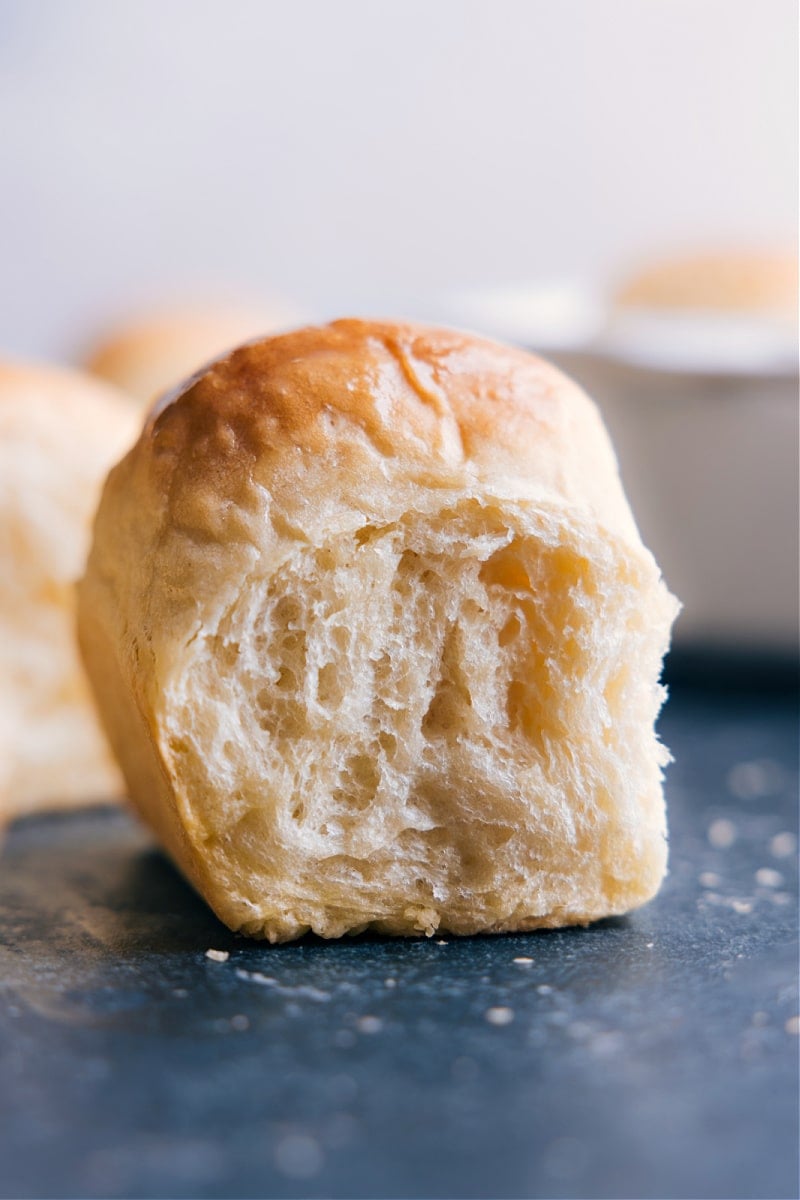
383 403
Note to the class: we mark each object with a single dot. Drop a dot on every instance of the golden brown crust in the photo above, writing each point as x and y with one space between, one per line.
429 401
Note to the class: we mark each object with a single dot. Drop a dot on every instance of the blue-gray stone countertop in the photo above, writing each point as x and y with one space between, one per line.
652 1056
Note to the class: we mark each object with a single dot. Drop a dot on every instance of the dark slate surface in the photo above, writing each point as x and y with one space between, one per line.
654 1056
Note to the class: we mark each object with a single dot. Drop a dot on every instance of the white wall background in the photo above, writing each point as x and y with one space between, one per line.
364 154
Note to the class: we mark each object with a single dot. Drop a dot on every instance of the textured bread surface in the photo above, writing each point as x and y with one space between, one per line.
377 643
60 431
146 357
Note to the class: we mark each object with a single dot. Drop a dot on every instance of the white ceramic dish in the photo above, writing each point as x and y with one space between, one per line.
701 343
710 465
559 315
703 411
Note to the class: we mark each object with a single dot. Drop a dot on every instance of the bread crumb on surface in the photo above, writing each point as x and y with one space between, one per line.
522 961
738 904
219 956
768 877
722 833
783 845
369 1024
499 1015
709 879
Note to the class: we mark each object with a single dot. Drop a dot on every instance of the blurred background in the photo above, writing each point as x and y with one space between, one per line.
502 165
368 153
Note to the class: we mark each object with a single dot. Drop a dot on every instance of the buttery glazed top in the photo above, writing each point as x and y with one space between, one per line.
396 401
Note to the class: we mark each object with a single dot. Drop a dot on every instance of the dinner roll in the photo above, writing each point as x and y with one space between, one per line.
147 356
377 643
742 281
60 431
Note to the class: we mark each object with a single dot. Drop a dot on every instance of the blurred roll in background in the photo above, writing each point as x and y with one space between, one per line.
613 185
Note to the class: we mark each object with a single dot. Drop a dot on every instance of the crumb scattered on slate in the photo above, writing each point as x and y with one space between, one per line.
768 877
783 845
218 955
369 1024
722 833
499 1015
